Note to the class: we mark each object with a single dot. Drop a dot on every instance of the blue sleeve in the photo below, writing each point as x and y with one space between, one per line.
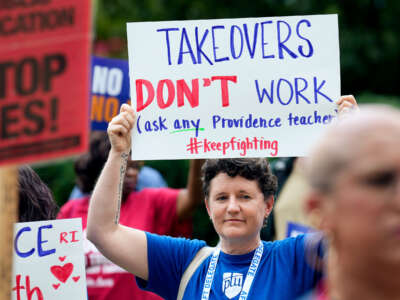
308 262
301 262
168 259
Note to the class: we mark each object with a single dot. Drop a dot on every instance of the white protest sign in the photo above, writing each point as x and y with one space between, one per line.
232 87
48 261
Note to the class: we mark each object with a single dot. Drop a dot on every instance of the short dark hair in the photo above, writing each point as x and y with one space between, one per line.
36 201
250 168
89 165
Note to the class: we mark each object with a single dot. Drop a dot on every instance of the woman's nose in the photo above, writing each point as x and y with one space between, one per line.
233 205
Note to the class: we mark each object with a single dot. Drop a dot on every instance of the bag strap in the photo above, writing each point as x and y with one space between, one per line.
194 264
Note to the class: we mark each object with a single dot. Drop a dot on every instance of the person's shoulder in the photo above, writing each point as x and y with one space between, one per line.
309 244
176 241
81 201
287 244
149 171
286 241
155 192
71 207
179 247
150 190
149 177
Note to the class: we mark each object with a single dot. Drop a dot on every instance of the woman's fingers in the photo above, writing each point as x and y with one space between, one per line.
120 127
131 118
127 115
117 129
346 104
348 98
120 121
127 108
125 118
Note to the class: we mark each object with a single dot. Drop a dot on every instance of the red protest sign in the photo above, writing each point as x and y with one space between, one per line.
44 79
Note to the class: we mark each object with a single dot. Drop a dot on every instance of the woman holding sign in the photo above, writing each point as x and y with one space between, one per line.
239 197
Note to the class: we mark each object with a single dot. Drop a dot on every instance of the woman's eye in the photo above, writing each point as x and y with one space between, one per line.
246 197
221 198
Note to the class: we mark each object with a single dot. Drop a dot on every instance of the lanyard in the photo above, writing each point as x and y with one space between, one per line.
251 273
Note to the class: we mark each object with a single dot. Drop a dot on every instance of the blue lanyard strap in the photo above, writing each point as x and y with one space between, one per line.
251 273
210 274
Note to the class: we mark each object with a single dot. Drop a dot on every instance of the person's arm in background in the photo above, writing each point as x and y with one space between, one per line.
126 247
191 197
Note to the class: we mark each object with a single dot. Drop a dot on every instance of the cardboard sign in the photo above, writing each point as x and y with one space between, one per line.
44 79
48 261
233 87
109 90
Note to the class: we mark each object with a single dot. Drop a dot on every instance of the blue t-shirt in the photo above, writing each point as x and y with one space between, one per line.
282 274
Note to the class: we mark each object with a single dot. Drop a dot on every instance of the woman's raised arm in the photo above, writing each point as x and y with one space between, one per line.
124 246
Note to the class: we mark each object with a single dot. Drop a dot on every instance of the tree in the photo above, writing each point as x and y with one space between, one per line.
369 30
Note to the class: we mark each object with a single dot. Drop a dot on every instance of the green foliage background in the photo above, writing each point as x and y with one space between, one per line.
369 49
368 30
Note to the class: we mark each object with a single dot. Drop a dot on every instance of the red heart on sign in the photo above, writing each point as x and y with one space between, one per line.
76 278
56 286
62 258
62 273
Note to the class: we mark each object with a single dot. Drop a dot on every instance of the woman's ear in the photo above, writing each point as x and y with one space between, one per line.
269 205
207 206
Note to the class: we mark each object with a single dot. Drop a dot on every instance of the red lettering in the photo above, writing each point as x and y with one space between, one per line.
18 287
29 292
139 93
213 146
73 236
206 146
166 96
160 93
184 90
62 237
224 87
